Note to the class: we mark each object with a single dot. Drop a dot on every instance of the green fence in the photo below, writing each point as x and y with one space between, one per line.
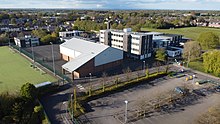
42 63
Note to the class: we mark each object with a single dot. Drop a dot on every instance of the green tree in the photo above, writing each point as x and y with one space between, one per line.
191 51
47 39
208 40
4 38
211 62
13 21
17 111
28 91
39 33
34 22
120 26
75 27
161 54
54 34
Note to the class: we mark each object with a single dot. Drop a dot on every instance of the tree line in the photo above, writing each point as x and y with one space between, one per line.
205 49
21 108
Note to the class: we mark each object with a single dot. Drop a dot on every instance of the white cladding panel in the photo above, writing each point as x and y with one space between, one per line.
117 38
109 55
135 52
117 43
173 53
69 52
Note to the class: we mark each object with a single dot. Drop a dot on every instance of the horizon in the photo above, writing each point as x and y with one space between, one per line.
113 4
95 9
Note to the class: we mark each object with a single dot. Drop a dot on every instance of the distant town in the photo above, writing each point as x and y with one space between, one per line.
109 66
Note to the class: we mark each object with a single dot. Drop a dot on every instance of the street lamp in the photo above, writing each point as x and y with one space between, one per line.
72 105
194 78
126 110
53 58
144 67
64 103
90 76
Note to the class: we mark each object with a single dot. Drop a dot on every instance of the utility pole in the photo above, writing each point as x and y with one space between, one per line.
32 50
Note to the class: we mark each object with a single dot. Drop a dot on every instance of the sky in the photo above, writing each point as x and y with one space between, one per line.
114 4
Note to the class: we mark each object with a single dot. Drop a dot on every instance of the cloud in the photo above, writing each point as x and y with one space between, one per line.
112 4
213 0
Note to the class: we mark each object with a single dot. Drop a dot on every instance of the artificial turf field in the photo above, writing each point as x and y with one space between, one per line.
15 70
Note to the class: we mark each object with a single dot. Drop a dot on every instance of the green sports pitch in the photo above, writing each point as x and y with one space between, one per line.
15 70
189 32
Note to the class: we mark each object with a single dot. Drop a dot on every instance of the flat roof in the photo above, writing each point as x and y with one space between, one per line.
161 37
74 31
154 33
140 34
171 35
87 49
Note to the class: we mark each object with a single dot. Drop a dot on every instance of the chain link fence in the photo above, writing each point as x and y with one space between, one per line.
41 63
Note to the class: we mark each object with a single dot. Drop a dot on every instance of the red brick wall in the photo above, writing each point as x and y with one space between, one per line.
90 68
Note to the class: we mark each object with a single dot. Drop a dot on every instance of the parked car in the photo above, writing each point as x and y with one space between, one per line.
202 82
218 88
199 92
179 90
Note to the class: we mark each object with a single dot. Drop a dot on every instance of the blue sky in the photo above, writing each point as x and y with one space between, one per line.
114 4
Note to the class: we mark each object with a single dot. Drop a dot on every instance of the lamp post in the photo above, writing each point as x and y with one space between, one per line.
144 67
183 64
90 76
64 103
194 78
126 110
53 58
72 105
90 87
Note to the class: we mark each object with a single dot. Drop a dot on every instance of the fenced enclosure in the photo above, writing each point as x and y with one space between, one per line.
43 62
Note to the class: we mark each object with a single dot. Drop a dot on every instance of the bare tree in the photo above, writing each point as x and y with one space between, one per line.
191 51
127 71
104 78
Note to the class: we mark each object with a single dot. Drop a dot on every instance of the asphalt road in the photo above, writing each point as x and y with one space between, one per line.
53 103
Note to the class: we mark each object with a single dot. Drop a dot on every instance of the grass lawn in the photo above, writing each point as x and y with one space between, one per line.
189 32
15 71
197 65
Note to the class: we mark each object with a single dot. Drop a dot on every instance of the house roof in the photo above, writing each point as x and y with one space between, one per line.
88 50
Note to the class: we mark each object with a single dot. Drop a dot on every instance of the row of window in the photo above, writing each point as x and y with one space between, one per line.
120 41
134 49
135 44
136 38
117 35
118 46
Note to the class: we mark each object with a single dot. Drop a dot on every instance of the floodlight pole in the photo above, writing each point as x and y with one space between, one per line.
32 50
54 72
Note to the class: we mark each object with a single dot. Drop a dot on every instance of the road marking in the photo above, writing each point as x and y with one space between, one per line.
149 120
